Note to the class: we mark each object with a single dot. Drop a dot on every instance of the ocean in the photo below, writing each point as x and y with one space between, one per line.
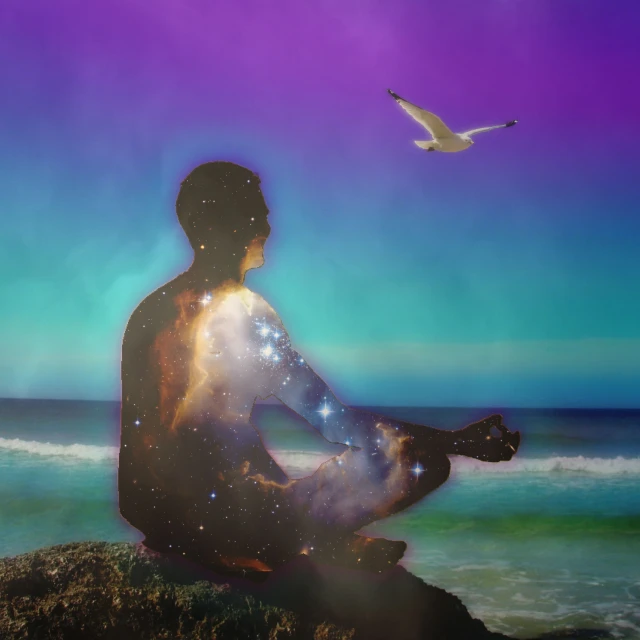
548 541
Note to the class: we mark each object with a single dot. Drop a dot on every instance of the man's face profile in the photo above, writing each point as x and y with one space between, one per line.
254 257
255 253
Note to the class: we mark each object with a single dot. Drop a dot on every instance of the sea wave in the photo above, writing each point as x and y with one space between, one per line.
555 464
300 463
90 452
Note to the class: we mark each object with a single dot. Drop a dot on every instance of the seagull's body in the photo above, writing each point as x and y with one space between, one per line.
443 138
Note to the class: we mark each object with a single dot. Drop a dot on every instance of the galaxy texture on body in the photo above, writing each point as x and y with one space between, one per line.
194 474
504 275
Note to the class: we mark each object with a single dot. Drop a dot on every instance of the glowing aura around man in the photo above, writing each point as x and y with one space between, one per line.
194 474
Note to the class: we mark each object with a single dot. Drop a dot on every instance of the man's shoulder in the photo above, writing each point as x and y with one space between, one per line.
153 309
259 306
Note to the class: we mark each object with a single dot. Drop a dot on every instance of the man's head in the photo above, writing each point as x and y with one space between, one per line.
222 210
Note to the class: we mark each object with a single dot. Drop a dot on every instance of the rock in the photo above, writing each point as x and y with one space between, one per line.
122 591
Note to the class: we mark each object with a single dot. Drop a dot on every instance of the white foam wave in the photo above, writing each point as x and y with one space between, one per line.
306 462
556 464
301 463
298 464
90 452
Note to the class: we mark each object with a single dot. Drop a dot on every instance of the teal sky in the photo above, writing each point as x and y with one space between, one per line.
503 276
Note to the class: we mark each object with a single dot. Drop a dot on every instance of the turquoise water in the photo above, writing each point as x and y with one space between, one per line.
547 541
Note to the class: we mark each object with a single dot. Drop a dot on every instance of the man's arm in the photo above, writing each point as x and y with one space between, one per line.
294 383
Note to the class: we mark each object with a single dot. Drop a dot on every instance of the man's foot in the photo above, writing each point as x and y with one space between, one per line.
361 552
488 440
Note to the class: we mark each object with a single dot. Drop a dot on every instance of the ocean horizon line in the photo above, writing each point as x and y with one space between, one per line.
494 408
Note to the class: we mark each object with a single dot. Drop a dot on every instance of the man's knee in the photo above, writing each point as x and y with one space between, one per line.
444 469
436 470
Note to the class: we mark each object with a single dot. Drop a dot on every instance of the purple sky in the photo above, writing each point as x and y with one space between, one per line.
529 236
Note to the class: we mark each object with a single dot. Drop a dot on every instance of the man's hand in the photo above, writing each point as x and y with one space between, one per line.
487 440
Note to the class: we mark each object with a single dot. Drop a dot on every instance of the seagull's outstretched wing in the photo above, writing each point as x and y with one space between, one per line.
429 121
483 129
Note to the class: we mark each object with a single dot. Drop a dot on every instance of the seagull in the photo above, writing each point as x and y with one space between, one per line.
443 138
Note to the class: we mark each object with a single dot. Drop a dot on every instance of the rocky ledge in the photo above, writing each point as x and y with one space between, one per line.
122 591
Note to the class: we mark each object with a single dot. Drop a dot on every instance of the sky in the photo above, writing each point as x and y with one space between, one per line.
505 275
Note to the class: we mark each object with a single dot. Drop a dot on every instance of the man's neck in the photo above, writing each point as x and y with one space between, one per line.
206 275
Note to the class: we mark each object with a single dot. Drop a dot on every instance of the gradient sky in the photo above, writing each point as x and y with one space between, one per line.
504 275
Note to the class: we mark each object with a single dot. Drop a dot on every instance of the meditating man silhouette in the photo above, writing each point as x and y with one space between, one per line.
194 474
